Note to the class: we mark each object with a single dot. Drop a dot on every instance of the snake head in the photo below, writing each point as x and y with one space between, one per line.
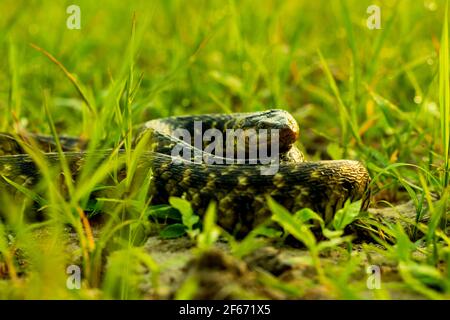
284 122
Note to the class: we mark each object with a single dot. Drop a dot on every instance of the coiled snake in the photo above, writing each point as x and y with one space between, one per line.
238 186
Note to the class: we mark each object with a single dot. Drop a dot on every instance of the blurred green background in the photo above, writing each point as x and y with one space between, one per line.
220 56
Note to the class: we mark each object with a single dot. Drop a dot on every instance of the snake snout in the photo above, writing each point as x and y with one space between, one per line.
280 120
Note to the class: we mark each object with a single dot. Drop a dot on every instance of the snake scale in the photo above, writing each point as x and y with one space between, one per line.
238 187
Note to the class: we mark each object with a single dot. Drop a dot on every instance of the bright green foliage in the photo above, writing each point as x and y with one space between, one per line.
381 96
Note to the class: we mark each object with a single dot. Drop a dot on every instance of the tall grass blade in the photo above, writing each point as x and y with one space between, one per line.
444 96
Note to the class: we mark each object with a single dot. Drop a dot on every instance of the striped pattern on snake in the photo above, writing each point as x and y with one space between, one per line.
238 187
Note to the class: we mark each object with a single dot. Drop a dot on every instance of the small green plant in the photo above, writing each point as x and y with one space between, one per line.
211 231
189 221
346 215
297 225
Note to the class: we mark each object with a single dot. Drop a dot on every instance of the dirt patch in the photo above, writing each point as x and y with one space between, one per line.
271 272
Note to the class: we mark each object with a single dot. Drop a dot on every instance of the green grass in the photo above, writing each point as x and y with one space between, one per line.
444 97
380 96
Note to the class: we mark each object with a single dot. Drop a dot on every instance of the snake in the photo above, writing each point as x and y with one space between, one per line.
239 185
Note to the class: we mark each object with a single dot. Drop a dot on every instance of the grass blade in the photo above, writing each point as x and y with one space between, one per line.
444 95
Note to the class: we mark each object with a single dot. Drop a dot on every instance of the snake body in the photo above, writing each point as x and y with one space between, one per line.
238 187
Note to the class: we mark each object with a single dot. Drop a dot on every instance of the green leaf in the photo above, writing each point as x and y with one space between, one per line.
306 214
403 247
248 245
268 232
163 211
297 229
27 192
347 214
444 96
3 237
188 217
332 243
175 230
188 289
330 234
210 232
426 274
